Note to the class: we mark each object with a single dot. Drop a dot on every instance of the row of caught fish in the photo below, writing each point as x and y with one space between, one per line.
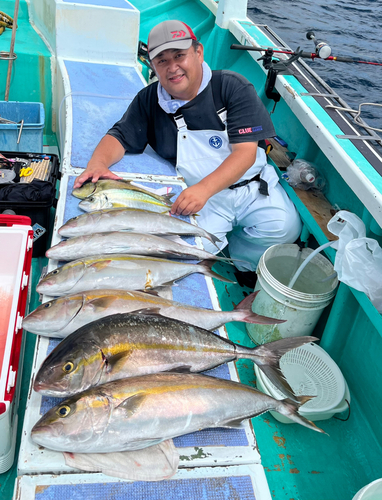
125 404
115 369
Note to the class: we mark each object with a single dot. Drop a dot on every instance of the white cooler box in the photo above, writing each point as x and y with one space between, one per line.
16 241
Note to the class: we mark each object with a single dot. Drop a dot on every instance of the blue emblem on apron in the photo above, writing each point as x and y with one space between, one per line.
215 142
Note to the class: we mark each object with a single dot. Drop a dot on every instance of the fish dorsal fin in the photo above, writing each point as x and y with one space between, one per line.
102 302
152 292
180 369
132 404
233 424
99 265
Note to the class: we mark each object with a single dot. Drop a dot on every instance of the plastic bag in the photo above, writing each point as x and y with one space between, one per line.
304 175
358 262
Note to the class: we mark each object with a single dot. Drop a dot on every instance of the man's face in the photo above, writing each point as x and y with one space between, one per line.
180 71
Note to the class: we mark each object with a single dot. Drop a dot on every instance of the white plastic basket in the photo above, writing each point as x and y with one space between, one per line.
310 371
309 414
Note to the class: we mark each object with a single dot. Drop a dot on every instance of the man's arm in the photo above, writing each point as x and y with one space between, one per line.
193 199
108 152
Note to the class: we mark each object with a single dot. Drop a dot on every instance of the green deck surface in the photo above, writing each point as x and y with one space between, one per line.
301 464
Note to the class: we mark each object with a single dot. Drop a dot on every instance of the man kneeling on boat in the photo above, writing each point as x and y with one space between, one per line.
207 123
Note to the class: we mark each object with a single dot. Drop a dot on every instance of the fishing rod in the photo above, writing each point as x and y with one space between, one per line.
323 51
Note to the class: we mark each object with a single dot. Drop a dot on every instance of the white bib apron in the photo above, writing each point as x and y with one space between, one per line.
263 220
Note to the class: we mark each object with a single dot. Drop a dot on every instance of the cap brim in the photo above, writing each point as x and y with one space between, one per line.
174 44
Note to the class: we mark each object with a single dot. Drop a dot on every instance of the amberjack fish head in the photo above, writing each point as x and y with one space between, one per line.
85 190
60 281
53 316
74 424
74 226
96 201
73 366
67 249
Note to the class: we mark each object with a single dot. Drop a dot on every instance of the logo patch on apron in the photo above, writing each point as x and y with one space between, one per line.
215 142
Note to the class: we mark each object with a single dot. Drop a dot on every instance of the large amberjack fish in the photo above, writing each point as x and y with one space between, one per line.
140 412
60 317
90 188
127 345
126 243
119 272
131 219
117 198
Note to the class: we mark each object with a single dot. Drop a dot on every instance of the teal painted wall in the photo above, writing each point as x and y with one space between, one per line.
31 79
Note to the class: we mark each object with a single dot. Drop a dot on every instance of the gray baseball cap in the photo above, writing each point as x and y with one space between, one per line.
169 35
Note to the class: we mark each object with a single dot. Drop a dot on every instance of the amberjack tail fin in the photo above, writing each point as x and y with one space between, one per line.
207 270
167 198
214 239
290 408
267 357
247 316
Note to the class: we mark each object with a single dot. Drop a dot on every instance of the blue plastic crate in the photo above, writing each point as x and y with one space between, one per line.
31 138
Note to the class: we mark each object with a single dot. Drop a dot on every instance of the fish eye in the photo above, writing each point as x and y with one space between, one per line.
55 271
63 411
68 367
48 304
91 198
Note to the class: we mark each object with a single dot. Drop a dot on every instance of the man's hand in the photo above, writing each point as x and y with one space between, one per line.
191 200
94 173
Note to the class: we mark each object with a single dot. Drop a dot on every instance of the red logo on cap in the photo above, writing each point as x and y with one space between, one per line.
178 34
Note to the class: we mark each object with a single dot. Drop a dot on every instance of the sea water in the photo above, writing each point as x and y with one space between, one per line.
352 28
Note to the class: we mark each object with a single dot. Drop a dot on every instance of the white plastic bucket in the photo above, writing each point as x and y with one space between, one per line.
372 491
301 306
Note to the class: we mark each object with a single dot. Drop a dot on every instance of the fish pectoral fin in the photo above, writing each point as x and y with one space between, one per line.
116 359
102 302
131 404
153 463
99 265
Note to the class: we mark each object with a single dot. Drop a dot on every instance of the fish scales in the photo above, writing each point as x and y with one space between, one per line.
127 345
129 219
110 198
63 316
127 243
122 272
131 414
90 188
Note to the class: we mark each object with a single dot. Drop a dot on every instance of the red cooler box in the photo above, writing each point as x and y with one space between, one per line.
16 242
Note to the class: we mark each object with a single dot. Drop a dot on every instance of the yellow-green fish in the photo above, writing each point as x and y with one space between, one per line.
117 198
139 412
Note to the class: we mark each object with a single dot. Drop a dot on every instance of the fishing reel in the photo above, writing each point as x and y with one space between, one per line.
274 68
323 50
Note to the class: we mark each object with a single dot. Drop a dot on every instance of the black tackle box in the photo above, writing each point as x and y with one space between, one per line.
41 212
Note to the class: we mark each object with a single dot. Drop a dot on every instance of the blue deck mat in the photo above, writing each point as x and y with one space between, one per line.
213 488
93 115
